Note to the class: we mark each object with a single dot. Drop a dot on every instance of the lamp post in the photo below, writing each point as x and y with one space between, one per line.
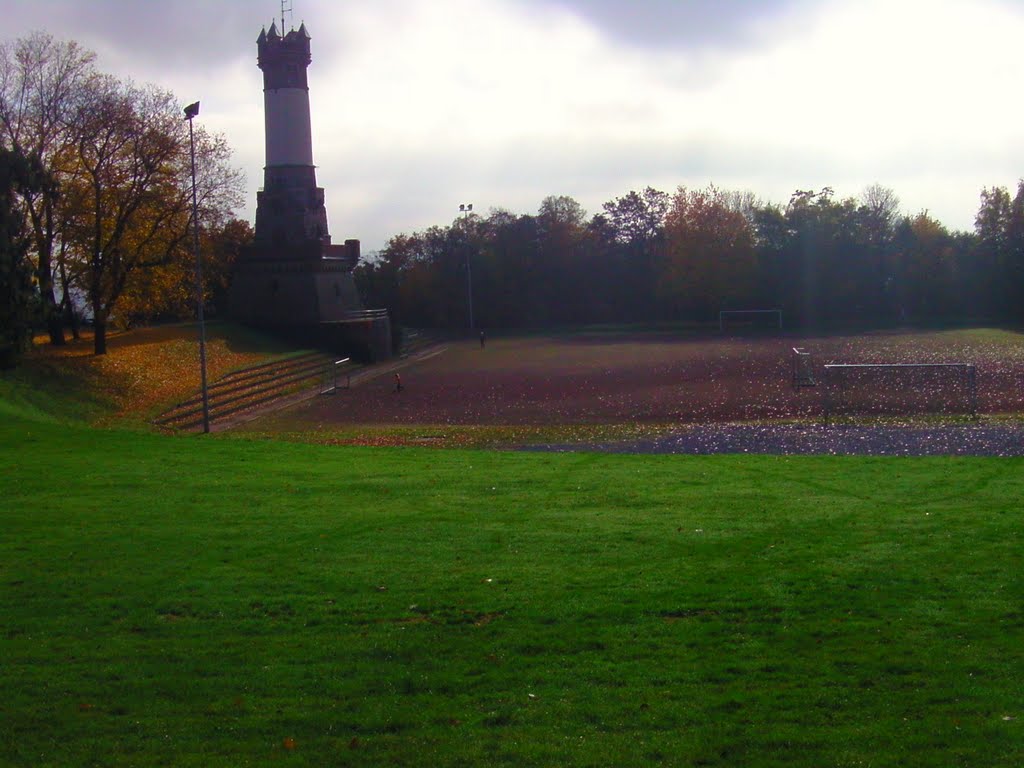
467 208
190 112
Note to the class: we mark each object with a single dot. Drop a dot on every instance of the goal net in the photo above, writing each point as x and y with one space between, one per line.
802 368
899 389
740 319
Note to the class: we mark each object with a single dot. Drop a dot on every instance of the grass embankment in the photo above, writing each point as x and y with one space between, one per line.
143 371
222 602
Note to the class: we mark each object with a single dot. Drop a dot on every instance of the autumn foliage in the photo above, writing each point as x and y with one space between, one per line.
649 256
111 238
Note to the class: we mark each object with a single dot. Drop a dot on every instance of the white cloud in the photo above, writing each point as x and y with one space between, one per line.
508 104
419 106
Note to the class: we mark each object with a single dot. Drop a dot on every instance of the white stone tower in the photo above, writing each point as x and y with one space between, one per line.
290 209
286 97
292 279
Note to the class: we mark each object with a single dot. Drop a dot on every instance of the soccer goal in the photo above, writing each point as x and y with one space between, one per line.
749 319
802 368
333 377
900 389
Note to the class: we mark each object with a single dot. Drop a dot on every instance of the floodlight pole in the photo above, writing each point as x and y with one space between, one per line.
190 112
467 209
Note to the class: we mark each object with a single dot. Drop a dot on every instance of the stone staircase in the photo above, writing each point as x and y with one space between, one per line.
244 392
254 387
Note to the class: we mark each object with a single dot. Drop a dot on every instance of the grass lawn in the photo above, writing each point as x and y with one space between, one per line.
201 602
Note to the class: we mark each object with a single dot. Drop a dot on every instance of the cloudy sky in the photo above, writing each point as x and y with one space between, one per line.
420 105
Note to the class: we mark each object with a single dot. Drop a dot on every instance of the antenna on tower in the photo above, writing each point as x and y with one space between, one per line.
286 7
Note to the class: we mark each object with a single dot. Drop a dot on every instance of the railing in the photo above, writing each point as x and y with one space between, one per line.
361 315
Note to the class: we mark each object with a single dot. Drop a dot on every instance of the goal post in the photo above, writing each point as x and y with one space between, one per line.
899 389
750 318
332 381
802 368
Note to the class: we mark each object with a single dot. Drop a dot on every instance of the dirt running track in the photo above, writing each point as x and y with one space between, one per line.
685 380
821 439
702 394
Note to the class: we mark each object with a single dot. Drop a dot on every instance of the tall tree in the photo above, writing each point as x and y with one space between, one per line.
925 274
777 261
224 243
559 294
41 82
710 262
829 242
19 177
882 208
1015 253
879 215
638 217
638 222
510 297
992 254
130 188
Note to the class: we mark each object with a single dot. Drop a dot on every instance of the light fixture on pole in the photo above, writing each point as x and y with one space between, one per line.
190 112
467 208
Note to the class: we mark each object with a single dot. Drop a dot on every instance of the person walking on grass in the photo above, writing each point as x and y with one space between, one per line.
483 339
398 383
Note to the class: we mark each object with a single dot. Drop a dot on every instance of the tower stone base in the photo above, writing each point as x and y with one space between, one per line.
309 302
286 293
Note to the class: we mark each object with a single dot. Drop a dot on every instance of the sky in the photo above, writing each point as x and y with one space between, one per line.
419 106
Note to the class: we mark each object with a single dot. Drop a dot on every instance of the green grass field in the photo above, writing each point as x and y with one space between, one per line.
205 601
198 602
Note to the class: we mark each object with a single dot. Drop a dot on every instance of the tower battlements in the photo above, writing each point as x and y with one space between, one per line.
283 59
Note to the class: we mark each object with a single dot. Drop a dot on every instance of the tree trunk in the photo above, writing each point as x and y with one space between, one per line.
51 311
99 342
67 304
54 326
70 318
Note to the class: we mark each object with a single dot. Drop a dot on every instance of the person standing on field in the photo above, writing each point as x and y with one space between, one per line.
398 383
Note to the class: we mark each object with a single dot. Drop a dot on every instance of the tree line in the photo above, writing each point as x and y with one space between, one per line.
651 256
95 211
96 195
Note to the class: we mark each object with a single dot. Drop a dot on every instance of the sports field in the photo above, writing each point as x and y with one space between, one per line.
591 387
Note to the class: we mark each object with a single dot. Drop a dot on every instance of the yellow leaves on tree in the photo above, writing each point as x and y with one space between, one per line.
710 256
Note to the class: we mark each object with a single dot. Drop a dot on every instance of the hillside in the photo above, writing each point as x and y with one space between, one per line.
144 370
